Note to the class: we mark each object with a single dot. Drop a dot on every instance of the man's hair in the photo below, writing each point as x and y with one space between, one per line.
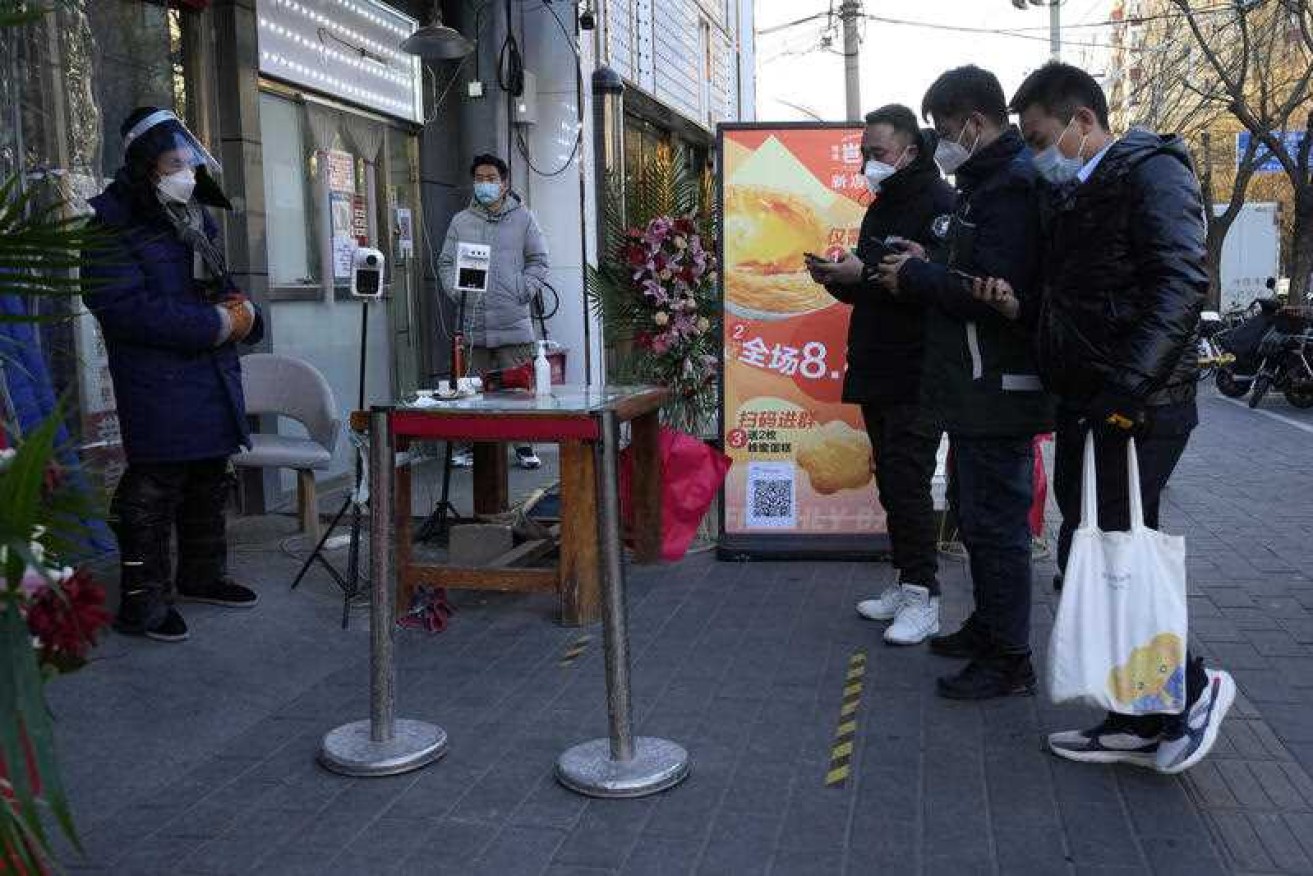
898 117
487 158
963 91
1060 90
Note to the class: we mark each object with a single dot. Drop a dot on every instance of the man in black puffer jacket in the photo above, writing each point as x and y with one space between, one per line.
886 345
980 378
1125 281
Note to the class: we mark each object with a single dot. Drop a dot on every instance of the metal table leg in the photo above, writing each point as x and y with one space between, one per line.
383 745
621 765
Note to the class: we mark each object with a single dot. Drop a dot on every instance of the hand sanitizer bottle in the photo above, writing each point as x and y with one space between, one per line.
542 372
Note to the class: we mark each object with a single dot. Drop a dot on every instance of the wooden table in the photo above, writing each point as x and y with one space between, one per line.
570 417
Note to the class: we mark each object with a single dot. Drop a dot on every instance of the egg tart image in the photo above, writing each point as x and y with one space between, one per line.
836 457
766 233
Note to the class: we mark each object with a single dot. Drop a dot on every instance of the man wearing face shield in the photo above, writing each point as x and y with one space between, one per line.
171 317
1125 281
886 345
979 378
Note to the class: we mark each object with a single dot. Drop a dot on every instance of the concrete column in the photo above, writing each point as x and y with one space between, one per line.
235 64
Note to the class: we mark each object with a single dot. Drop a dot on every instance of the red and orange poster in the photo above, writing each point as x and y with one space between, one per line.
802 480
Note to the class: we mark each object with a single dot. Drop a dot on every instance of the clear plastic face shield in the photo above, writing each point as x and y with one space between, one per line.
181 152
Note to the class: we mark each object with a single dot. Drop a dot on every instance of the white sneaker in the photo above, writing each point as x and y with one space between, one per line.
1189 737
917 618
884 607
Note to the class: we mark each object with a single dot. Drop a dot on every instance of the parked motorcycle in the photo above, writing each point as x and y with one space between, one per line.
1287 359
1234 379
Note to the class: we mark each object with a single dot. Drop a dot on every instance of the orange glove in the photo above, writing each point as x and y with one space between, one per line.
242 314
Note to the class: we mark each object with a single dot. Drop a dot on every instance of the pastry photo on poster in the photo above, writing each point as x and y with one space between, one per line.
803 462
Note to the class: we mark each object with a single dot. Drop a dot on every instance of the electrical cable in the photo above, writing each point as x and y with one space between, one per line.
523 146
521 143
442 98
766 31
543 313
510 63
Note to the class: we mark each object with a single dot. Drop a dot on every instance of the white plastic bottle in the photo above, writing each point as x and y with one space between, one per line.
542 372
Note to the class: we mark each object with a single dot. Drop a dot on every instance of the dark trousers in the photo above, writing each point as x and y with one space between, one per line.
1157 455
152 501
904 446
991 483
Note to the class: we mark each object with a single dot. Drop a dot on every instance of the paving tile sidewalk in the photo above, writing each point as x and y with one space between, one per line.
199 758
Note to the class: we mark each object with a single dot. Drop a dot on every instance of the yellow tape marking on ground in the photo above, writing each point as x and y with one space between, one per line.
572 653
841 751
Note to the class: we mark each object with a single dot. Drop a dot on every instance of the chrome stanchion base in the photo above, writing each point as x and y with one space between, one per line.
657 764
349 750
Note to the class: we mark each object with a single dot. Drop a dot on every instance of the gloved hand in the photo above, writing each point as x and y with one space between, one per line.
1115 413
242 315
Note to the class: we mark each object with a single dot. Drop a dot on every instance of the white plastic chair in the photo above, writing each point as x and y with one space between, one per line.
292 388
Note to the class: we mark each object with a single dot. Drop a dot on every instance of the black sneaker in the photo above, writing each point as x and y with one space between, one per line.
1116 740
150 618
990 677
224 592
968 643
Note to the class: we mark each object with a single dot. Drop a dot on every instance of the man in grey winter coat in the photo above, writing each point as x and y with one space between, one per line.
497 323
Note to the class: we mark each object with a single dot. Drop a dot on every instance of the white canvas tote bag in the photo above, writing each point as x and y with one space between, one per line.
1119 638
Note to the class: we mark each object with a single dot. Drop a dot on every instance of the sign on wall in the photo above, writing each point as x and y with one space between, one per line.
343 48
802 480
1268 162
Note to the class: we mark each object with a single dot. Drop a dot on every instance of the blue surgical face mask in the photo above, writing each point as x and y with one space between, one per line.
487 192
1055 167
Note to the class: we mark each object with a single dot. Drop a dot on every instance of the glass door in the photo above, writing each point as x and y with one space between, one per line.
400 241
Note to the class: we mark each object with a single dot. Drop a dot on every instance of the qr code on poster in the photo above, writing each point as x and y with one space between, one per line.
772 500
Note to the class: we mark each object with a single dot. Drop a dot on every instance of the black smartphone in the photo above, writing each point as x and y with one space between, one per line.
968 280
883 249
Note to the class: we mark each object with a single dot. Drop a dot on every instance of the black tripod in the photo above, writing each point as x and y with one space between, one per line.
444 513
349 583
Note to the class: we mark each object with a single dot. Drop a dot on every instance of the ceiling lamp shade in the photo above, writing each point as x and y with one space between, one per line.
436 41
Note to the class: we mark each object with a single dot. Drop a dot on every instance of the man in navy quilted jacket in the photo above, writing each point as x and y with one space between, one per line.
171 317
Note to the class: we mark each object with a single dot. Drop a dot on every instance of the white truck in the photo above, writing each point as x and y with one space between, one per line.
1250 254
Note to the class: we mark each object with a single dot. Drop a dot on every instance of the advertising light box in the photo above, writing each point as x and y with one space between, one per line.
802 483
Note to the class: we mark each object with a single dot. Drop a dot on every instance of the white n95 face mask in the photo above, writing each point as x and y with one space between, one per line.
177 187
876 172
951 154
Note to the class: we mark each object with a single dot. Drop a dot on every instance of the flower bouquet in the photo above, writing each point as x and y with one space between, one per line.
50 616
657 292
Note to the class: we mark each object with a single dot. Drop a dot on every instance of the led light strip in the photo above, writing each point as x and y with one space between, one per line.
373 68
354 36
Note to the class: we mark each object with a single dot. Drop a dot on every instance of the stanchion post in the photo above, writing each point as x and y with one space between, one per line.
382 626
382 745
621 765
615 620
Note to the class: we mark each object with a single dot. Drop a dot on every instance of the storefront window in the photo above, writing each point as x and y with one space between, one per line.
76 74
87 66
288 194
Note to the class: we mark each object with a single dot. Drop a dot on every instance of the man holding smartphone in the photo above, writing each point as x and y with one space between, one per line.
885 350
1125 281
979 375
